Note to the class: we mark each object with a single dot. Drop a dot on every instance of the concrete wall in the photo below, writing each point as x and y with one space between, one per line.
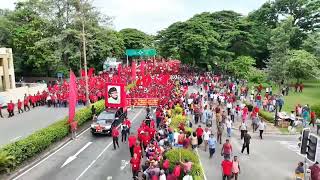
18 93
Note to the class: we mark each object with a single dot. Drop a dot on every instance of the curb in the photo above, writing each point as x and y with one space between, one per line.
35 160
271 133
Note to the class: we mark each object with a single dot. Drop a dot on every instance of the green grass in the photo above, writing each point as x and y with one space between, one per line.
310 95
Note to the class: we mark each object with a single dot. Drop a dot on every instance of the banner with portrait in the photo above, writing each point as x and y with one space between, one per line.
115 95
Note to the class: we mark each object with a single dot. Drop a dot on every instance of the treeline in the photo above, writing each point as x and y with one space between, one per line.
282 37
46 36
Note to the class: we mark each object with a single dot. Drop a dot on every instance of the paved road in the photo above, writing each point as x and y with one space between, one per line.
97 161
275 157
22 125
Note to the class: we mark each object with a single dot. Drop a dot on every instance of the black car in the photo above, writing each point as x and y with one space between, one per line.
106 120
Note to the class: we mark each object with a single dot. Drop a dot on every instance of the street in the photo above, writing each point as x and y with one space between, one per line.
22 125
97 161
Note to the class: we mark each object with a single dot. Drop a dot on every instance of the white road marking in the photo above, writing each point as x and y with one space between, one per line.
124 163
16 138
73 157
204 173
109 177
291 145
46 158
87 168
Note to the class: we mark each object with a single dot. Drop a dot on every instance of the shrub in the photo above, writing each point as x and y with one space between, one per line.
6 162
176 120
177 110
173 156
267 116
316 109
37 142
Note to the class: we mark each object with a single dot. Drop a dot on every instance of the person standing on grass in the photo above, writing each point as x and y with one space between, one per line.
261 127
115 136
226 150
226 166
246 142
235 167
212 145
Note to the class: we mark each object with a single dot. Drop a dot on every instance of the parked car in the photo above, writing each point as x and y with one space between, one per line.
106 120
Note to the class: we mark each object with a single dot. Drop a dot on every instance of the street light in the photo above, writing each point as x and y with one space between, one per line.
84 55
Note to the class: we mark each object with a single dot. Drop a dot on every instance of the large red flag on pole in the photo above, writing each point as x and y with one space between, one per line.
133 71
72 96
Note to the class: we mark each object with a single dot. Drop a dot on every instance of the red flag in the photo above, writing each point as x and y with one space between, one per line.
142 68
119 69
90 72
133 71
82 73
72 96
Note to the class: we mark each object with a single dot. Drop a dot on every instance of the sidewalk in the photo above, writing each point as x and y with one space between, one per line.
270 128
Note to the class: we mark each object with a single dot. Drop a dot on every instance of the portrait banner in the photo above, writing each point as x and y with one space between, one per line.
115 95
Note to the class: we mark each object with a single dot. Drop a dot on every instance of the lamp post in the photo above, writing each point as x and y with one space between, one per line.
84 55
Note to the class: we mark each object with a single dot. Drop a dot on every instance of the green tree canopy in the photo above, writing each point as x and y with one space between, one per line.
135 39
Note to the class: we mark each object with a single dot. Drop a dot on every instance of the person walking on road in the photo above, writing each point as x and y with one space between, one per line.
243 128
229 126
261 127
115 136
132 141
124 132
212 145
20 106
246 142
206 135
226 169
219 132
226 150
135 165
235 167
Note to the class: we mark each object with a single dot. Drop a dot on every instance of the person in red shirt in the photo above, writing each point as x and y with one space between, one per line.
177 170
128 123
115 136
165 164
226 149
26 104
137 150
145 138
20 106
199 132
226 165
312 118
132 141
10 108
135 164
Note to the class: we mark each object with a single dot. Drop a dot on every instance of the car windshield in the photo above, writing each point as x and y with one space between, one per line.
106 116
104 121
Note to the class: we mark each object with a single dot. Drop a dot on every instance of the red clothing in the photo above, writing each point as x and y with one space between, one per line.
132 140
313 115
25 102
137 150
135 164
127 122
19 104
177 171
166 164
199 132
227 167
115 132
256 109
227 148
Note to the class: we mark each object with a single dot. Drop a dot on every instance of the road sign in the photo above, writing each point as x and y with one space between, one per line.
141 52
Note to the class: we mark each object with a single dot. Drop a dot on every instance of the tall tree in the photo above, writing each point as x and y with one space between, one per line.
135 39
279 48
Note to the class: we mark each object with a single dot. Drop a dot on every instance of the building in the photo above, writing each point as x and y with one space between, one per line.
6 70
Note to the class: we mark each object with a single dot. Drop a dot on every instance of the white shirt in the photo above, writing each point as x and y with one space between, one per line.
175 136
215 96
187 177
206 135
162 177
292 117
229 105
229 124
261 126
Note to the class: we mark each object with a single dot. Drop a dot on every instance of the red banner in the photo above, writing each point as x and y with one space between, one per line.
143 101
72 96
115 95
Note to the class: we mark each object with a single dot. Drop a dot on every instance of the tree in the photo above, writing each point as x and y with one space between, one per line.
241 67
312 44
279 47
302 65
135 39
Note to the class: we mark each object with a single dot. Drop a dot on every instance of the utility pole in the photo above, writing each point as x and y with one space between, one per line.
84 54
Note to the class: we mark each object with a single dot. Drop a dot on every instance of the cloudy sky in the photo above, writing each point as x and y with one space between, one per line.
151 16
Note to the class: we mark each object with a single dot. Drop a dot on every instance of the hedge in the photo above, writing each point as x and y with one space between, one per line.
267 116
173 156
22 150
316 109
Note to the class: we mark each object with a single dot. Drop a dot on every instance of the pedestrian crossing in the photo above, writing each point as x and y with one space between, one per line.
291 145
